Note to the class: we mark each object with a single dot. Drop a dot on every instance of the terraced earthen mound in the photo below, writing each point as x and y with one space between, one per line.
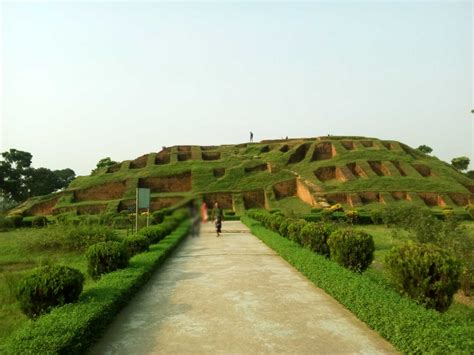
299 154
172 183
256 168
379 168
337 170
211 156
108 191
349 145
254 199
218 172
139 163
323 151
422 169
356 170
285 189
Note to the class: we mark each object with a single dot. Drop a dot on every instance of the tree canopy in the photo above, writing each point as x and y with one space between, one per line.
425 149
19 180
460 163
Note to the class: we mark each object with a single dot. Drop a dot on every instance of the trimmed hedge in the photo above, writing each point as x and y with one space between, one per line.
136 244
71 329
352 249
425 272
47 287
408 326
105 257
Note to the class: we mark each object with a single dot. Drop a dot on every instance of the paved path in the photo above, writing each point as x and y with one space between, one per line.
234 295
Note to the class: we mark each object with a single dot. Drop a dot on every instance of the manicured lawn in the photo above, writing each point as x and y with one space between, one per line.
18 255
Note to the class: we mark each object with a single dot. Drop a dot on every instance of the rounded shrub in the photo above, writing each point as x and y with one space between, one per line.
314 236
294 230
352 249
136 244
106 257
283 230
275 222
424 272
39 221
47 287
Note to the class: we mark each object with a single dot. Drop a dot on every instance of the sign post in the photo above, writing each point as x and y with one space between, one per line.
142 201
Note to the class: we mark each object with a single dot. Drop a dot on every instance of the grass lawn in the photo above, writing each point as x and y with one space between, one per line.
462 307
17 257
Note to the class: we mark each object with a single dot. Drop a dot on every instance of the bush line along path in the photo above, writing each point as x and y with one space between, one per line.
409 327
234 295
71 329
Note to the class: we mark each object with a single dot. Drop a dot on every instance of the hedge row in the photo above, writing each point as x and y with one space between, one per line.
71 329
409 327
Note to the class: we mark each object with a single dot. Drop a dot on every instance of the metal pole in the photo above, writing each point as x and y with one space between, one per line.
136 213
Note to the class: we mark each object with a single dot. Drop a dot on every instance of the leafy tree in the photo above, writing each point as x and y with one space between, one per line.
42 181
425 149
18 180
65 176
104 163
460 163
470 174
14 174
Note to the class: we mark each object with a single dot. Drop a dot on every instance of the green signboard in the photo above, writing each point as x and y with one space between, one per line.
143 197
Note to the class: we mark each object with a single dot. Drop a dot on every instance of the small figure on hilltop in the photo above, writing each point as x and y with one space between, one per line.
217 216
251 136
204 215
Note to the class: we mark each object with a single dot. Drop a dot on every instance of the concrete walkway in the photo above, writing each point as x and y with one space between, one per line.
234 295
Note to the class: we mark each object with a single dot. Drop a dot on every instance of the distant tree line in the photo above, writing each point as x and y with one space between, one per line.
20 181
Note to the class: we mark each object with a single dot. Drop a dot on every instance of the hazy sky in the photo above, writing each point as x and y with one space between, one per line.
85 80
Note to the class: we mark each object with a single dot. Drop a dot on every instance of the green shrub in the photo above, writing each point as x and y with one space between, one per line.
121 222
16 220
275 222
294 230
6 223
314 236
376 216
352 216
316 210
47 287
471 211
352 249
155 233
136 244
424 272
106 257
283 230
39 221
229 213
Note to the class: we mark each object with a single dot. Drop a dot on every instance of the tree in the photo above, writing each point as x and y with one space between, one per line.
424 149
42 181
104 163
18 180
460 163
65 176
14 174
470 174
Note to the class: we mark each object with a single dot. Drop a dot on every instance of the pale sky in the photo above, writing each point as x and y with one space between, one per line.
85 80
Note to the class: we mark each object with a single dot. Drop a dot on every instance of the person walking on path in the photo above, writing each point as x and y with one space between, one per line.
251 137
204 214
217 216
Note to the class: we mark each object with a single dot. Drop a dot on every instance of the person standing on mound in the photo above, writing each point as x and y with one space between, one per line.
217 216
204 215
